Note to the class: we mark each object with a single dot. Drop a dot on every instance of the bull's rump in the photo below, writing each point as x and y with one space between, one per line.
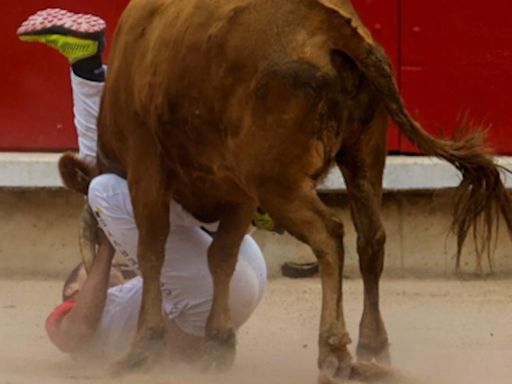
232 91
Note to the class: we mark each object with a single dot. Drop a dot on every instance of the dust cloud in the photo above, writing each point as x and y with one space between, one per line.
442 332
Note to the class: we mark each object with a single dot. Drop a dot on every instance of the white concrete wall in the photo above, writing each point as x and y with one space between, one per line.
28 170
39 235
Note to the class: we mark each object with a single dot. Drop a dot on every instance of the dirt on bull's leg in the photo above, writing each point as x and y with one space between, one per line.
151 193
144 354
362 169
298 216
219 351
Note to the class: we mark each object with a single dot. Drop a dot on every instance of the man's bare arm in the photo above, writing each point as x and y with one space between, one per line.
80 324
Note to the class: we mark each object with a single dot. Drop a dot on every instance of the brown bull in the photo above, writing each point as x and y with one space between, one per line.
226 105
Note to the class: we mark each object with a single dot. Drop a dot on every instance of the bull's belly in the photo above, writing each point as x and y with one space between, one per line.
206 197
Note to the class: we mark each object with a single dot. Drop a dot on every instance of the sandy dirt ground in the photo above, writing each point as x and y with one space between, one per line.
442 332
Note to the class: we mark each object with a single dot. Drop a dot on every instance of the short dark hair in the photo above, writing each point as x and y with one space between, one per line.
72 278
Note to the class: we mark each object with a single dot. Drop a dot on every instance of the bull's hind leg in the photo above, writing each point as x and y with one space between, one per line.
150 192
303 215
220 347
362 166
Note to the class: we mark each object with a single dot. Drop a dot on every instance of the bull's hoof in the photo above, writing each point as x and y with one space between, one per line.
375 373
219 351
335 360
360 372
136 360
144 352
335 369
378 353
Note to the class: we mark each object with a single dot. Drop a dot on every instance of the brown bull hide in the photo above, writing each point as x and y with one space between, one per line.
225 105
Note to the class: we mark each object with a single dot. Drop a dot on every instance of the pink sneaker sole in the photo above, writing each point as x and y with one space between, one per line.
62 22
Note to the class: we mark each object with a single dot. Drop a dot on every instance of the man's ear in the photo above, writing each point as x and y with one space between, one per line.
71 289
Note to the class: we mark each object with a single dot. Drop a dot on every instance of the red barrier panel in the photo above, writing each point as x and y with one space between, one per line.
35 101
457 59
450 59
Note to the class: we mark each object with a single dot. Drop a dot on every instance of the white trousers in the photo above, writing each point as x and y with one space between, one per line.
86 103
187 287
186 283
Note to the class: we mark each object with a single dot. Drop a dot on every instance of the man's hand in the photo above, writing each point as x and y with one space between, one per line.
79 325
105 249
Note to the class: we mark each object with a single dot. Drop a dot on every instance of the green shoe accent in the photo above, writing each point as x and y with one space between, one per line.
73 48
262 220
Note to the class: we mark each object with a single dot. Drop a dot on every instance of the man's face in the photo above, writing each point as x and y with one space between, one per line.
115 278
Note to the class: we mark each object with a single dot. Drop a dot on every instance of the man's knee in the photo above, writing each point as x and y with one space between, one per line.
251 253
246 292
249 281
103 188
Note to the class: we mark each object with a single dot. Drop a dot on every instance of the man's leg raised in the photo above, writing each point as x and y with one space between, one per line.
79 38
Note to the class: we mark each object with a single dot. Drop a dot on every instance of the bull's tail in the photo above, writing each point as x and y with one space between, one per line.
76 173
481 195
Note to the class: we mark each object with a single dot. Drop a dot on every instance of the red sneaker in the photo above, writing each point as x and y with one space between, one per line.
61 22
75 35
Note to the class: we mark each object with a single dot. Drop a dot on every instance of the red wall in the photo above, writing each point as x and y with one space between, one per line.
35 100
457 59
450 59
453 60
